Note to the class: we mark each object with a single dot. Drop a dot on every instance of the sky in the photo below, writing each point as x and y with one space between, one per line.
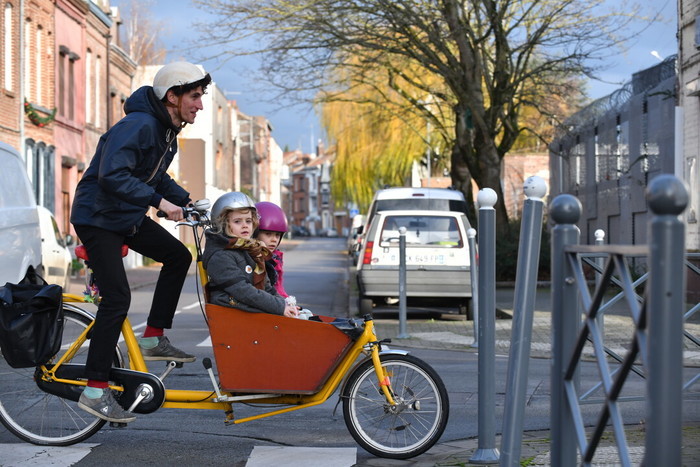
299 128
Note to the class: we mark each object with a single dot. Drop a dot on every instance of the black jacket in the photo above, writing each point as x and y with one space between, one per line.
127 174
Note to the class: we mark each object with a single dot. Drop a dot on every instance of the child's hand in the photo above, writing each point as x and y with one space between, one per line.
291 311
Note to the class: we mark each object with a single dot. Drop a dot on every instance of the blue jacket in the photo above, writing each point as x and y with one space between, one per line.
127 174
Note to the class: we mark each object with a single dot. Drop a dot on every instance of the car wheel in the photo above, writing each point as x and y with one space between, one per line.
366 305
466 308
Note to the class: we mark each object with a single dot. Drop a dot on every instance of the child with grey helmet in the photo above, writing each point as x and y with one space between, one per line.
235 262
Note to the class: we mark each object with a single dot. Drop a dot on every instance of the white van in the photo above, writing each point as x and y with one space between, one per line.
20 235
429 199
437 258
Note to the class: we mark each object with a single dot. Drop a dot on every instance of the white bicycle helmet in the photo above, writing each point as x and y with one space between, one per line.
176 74
232 200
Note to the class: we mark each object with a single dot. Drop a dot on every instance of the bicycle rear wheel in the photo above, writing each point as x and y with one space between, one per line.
41 418
407 429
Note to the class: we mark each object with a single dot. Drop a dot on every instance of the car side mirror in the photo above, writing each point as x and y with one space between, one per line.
360 229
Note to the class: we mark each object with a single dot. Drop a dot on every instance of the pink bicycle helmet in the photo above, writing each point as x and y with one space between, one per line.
272 217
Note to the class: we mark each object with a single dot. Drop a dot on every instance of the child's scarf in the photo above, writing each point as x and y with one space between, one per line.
257 250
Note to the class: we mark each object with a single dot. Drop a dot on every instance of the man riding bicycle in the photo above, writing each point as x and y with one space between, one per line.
126 176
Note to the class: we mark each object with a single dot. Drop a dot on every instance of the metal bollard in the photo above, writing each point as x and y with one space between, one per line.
473 272
402 284
565 211
486 452
667 198
600 262
523 313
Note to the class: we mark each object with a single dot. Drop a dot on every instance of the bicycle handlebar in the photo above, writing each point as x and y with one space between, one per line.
198 210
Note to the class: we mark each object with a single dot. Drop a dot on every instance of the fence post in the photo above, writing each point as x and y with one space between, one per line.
473 272
565 211
523 311
486 452
402 284
667 198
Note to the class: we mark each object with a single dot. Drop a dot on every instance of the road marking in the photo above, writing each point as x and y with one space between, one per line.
205 343
22 454
265 456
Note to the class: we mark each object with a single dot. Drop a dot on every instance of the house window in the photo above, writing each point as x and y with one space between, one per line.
38 66
62 51
40 168
27 63
7 53
66 82
97 86
71 86
88 88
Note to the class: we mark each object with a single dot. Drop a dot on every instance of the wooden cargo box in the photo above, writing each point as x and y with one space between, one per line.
265 353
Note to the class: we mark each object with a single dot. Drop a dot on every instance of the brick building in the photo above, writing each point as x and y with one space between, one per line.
63 84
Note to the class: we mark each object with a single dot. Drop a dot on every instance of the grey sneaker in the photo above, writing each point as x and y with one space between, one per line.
166 351
106 407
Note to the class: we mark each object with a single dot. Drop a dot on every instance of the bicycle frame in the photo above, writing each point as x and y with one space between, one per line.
209 400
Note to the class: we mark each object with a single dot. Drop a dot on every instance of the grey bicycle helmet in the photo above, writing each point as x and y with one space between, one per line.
228 201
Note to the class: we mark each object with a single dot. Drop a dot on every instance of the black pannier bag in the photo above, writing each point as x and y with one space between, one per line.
31 323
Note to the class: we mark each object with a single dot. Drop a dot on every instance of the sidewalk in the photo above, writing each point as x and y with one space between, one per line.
453 332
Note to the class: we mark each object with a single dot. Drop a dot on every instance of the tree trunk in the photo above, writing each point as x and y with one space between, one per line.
475 155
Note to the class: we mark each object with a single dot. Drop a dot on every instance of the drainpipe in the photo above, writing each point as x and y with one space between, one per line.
22 58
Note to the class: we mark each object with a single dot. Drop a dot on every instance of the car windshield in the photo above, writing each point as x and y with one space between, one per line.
434 231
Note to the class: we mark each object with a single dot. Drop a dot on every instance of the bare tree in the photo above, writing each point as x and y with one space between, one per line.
142 33
492 57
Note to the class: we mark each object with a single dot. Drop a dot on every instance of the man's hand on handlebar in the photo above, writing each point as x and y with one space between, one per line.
173 212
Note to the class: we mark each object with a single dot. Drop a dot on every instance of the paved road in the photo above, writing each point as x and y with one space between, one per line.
445 340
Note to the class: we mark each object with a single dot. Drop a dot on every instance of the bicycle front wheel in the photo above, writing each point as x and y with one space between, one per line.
404 430
36 416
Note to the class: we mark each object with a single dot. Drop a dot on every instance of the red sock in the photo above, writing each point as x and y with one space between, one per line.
96 383
152 332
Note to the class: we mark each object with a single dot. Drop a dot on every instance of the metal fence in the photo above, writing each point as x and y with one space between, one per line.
655 340
607 154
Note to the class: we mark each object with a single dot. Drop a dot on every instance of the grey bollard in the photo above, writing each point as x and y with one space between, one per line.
667 198
565 211
402 284
523 313
600 262
473 272
486 452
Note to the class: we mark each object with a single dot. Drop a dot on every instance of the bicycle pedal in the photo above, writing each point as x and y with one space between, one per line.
117 425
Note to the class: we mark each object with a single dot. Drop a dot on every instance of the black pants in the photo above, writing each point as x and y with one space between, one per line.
104 253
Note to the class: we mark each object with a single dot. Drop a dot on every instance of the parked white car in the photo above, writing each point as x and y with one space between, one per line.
55 256
20 238
437 258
